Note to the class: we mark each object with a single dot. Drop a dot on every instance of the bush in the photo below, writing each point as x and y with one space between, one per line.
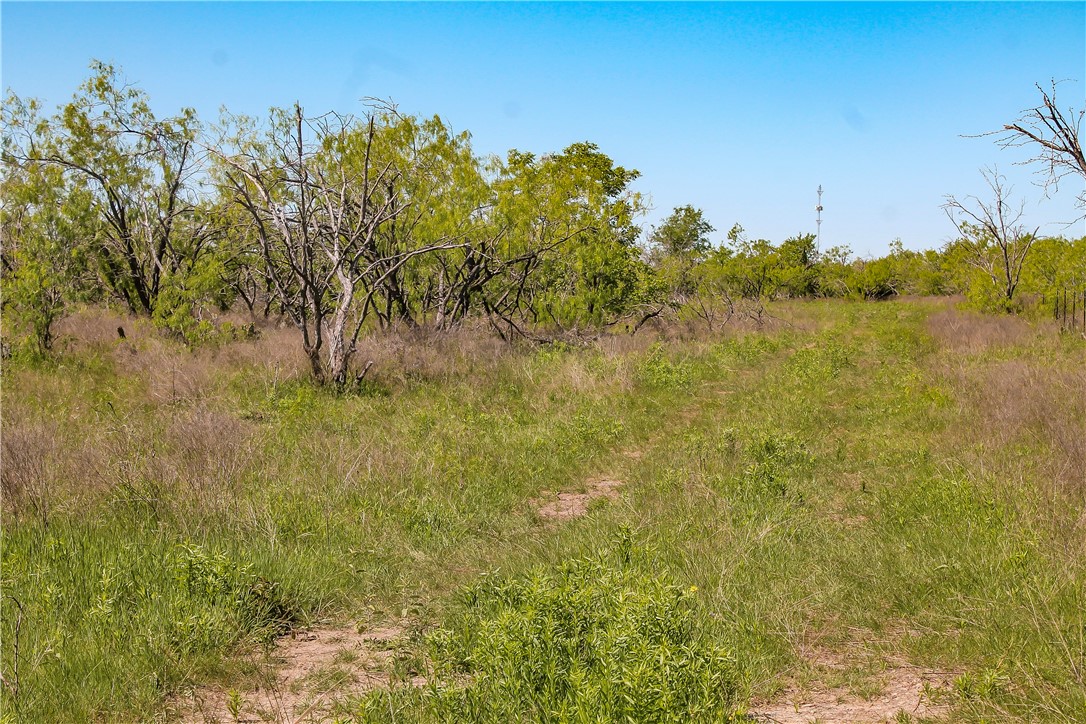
600 639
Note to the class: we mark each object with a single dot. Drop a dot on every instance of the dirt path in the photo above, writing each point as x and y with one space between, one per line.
567 506
304 676
308 672
905 690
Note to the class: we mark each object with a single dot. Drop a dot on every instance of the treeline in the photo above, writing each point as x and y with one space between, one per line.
684 259
343 224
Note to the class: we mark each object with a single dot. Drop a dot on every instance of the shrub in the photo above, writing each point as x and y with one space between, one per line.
600 639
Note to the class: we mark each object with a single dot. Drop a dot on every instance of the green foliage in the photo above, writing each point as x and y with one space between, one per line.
219 580
984 685
96 606
685 233
44 223
678 245
1056 265
569 219
185 296
775 458
135 171
600 639
758 269
658 370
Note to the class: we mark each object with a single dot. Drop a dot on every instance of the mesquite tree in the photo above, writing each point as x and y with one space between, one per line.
46 226
140 170
320 195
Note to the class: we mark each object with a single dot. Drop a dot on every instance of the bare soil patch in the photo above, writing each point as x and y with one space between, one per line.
902 689
306 673
567 506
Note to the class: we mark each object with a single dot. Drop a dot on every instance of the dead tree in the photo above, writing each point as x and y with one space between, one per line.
1055 136
998 242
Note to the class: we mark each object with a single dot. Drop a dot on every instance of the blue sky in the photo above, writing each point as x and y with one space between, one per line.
739 109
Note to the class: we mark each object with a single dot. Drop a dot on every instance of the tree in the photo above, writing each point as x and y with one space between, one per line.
566 224
997 243
677 246
320 194
141 173
44 225
1056 264
753 266
449 199
684 233
1055 135
797 273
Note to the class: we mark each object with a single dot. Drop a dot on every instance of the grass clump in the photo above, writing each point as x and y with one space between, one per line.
600 638
81 605
656 370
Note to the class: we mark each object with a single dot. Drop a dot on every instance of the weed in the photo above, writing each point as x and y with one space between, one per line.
234 704
658 371
600 638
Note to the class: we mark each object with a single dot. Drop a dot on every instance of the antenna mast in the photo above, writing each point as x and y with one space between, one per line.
818 222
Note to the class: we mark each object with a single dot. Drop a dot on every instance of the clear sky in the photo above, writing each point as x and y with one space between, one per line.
739 109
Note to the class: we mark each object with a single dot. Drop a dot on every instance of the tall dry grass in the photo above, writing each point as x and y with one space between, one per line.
1023 399
1026 387
28 465
972 332
199 454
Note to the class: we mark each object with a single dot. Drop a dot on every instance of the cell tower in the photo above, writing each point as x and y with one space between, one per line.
818 221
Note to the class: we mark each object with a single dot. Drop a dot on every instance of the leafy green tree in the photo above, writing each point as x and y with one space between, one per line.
1055 265
139 170
915 272
46 227
873 278
752 266
449 198
797 273
685 233
835 272
678 245
568 225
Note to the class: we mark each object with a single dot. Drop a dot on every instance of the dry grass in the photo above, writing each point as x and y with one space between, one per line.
180 444
406 354
1039 399
179 439
92 328
973 332
198 454
1021 399
28 474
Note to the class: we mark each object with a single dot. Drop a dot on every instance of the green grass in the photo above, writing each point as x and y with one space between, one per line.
845 483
